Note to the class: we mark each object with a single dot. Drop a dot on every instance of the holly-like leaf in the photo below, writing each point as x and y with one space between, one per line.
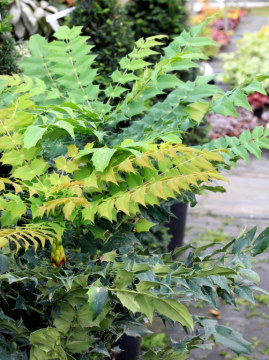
255 86
32 135
101 158
143 225
244 240
261 243
197 110
224 106
97 297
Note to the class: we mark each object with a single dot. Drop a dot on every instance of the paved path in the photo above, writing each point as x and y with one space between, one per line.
242 4
244 205
247 195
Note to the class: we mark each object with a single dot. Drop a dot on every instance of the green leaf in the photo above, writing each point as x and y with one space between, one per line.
143 225
12 158
240 99
146 306
250 274
101 158
4 263
128 300
65 32
231 340
161 269
97 297
46 345
254 149
198 29
39 166
224 106
168 81
32 135
137 65
255 86
261 243
197 110
216 270
78 341
66 126
262 77
244 292
14 209
123 279
37 45
105 210
174 311
203 41
226 336
89 212
101 349
244 240
63 322
23 173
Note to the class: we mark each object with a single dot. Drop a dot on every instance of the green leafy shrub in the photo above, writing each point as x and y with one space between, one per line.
81 195
8 55
153 17
249 60
109 30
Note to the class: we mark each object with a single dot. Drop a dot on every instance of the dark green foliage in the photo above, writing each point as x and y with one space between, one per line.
7 51
76 311
152 17
105 22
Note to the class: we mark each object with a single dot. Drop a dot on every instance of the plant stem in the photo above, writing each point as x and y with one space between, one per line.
30 307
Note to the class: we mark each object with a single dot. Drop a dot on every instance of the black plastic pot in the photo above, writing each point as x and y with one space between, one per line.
130 347
177 225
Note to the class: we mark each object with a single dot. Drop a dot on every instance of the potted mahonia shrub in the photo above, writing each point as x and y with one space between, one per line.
82 190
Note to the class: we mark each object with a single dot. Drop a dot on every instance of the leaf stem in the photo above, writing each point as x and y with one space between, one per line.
30 306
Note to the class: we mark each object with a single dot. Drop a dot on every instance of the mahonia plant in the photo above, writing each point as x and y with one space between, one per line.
87 169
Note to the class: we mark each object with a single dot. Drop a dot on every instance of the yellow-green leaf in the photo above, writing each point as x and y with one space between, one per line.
197 110
68 209
105 210
143 225
122 203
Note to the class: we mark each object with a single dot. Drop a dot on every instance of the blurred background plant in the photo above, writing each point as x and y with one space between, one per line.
29 18
249 60
215 27
105 21
152 17
8 55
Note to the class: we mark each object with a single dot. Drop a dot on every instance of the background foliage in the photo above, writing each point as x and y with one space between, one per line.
8 55
249 60
151 17
106 23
